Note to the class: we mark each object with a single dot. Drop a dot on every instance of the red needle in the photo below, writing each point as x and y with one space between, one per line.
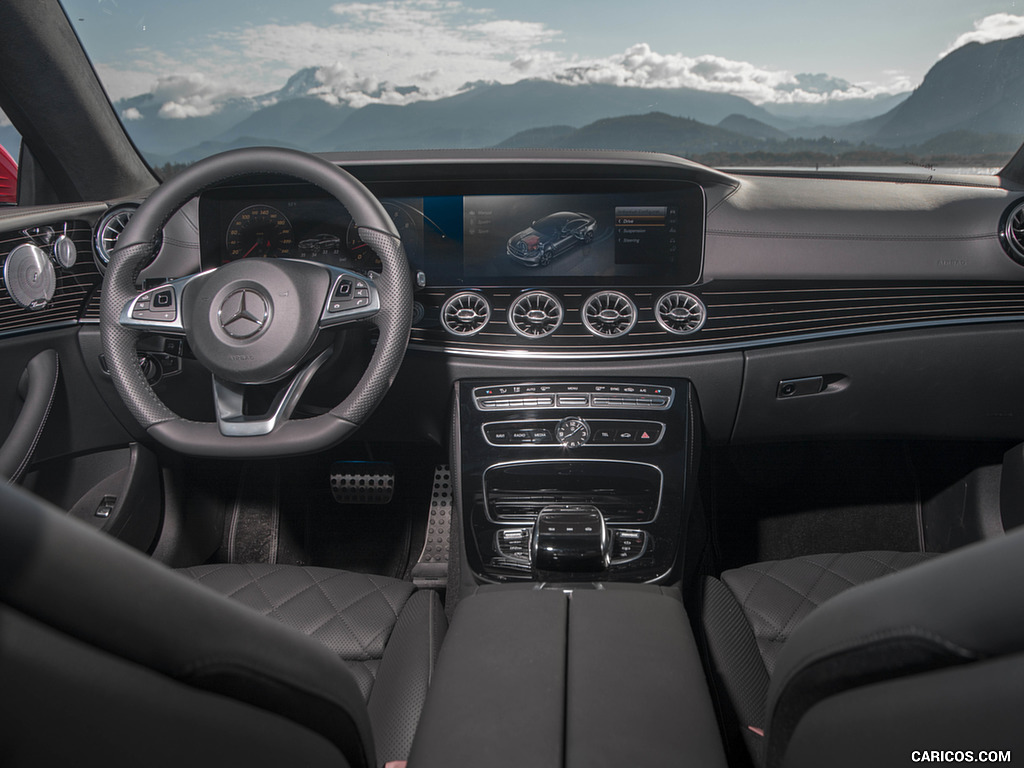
251 249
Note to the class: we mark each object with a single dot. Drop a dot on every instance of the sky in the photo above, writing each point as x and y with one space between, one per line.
193 53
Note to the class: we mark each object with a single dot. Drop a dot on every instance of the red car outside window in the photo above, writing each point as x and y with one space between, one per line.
8 178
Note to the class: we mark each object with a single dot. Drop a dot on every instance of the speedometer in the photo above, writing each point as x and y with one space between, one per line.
259 230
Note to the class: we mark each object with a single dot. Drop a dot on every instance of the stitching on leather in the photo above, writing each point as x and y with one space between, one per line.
42 424
825 570
256 582
334 605
355 637
340 611
775 632
774 629
889 565
735 188
921 557
200 573
395 608
374 590
279 609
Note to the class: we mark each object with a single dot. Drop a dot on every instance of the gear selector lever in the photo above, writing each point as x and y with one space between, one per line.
570 541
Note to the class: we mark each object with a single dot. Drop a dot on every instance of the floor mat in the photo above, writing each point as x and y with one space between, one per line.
367 538
285 512
778 502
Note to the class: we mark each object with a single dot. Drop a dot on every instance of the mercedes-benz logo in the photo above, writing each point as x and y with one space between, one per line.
243 314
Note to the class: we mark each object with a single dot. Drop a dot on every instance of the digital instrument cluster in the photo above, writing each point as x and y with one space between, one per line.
626 233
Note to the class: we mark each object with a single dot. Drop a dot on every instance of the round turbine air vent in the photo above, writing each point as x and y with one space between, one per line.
465 314
1012 232
109 229
609 314
535 314
680 313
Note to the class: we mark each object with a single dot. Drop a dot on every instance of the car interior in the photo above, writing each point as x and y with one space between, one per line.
728 476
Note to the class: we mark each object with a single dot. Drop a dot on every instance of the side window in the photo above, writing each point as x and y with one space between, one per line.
10 145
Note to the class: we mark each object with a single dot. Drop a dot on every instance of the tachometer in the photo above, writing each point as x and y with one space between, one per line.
259 230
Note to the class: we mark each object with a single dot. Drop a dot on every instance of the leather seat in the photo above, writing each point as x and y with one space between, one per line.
107 654
821 661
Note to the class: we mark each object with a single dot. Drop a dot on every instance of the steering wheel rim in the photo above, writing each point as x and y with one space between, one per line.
135 249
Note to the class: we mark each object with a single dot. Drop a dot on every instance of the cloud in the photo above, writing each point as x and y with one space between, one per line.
192 95
641 67
373 53
998 26
400 51
131 114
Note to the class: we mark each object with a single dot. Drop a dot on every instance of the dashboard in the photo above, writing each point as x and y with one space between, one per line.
883 299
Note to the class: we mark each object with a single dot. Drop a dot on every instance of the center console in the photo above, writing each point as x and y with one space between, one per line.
575 480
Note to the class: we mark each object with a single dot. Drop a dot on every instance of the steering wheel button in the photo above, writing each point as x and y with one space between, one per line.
344 289
361 293
163 299
364 302
335 306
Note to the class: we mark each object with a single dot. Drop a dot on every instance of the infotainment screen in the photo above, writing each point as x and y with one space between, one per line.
629 232
525 237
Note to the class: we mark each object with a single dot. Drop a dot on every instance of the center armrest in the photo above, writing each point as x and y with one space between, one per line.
567 679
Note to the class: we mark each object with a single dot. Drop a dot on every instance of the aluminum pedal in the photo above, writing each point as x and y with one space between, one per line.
363 482
431 570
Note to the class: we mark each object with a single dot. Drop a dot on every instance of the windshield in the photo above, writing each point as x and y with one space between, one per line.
747 84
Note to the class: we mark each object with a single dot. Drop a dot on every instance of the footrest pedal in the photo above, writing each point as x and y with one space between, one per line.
363 482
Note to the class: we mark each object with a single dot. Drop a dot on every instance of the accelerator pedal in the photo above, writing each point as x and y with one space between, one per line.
363 482
431 570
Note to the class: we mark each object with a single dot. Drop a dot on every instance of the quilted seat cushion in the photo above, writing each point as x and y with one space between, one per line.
751 611
353 614
387 633
776 596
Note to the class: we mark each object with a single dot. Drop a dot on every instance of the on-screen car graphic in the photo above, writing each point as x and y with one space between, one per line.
551 236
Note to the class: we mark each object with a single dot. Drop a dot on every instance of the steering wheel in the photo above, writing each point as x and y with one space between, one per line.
256 322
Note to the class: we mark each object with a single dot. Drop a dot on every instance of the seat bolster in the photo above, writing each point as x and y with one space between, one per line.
97 590
736 661
949 610
404 675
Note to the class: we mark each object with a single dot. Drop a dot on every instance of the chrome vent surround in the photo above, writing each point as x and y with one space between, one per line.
535 315
609 314
465 314
109 229
680 313
1012 234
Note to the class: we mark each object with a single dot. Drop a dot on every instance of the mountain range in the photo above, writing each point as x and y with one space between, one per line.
972 92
